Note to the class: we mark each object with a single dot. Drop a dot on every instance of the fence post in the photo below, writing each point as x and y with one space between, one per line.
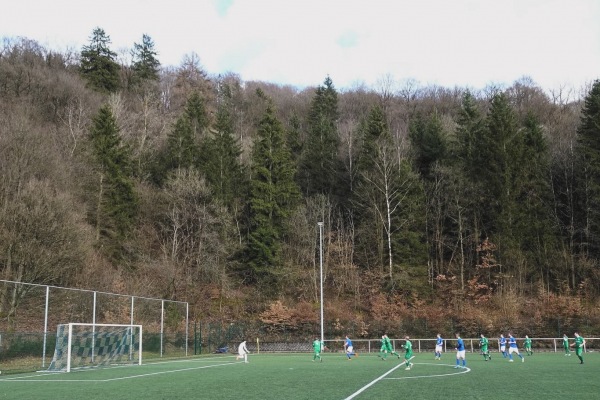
45 327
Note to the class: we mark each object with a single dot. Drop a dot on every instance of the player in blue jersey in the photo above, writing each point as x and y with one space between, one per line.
460 352
439 344
349 348
512 348
502 341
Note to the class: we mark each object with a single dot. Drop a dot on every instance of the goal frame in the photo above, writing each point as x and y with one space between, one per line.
70 337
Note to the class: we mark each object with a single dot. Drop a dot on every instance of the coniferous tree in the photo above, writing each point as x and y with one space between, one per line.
195 111
221 162
273 196
293 138
533 227
97 63
145 64
116 206
428 142
182 149
320 166
390 199
470 127
588 158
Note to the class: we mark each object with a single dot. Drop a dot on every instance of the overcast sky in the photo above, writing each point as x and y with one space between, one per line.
467 43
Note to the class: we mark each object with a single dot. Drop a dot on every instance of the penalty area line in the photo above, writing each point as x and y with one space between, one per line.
374 381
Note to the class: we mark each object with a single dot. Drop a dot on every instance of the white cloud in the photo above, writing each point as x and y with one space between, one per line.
299 42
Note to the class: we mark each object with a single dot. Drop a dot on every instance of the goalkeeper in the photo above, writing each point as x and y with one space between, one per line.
386 348
408 355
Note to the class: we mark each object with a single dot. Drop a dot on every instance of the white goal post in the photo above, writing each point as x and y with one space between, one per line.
80 345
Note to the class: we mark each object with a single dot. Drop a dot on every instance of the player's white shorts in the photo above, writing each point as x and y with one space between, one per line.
503 348
438 348
349 349
460 354
513 350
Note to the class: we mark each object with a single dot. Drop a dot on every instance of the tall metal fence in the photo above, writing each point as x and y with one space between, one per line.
210 336
30 313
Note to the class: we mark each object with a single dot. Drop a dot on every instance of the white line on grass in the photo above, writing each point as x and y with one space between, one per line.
368 385
25 379
463 371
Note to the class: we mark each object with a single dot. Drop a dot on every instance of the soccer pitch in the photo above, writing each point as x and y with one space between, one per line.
296 376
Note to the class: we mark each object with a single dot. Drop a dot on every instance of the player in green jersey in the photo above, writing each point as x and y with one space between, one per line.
566 345
408 355
483 344
527 346
386 348
317 347
579 344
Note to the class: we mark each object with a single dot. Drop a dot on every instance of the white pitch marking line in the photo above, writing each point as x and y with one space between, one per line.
463 371
25 379
368 385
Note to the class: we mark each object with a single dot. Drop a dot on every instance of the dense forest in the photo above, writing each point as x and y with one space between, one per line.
119 174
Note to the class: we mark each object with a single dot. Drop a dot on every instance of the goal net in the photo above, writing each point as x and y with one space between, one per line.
93 345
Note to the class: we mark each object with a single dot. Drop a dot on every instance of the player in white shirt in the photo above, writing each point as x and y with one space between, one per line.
242 352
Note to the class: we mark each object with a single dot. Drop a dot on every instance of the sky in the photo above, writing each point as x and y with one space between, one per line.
464 43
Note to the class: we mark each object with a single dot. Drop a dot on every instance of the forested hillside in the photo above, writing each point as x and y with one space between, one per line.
121 175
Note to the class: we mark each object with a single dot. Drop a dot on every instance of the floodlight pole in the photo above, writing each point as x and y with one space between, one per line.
321 275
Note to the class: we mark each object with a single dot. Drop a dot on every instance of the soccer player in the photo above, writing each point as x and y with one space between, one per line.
503 346
408 354
483 344
349 348
317 346
242 352
512 343
439 343
386 348
579 343
566 345
527 346
460 352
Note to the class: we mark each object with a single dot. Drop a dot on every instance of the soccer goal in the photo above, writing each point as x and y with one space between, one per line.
94 345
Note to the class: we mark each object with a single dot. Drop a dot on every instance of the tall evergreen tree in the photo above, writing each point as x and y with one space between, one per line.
428 142
533 227
221 161
588 158
97 63
389 197
319 170
116 207
195 111
182 149
145 63
273 196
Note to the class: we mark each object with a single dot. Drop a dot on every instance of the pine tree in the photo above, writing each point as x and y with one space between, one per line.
97 63
588 158
116 207
145 64
428 142
273 196
221 161
182 149
470 129
389 198
195 111
320 166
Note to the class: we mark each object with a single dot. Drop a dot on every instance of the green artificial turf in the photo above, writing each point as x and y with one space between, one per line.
295 376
